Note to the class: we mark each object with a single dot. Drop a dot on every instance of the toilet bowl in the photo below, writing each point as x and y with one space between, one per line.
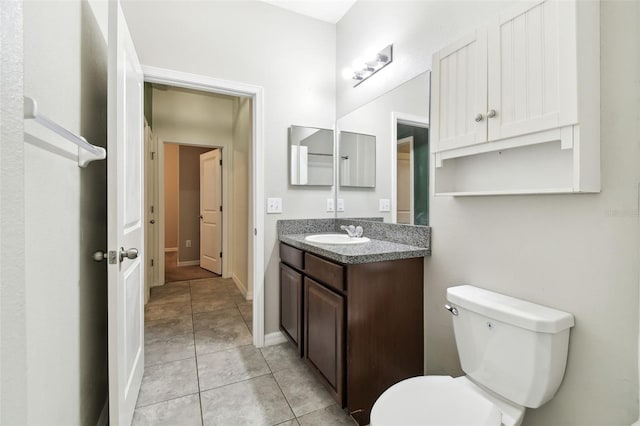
442 401
514 354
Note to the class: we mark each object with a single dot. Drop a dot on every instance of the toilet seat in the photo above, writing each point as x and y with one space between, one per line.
442 401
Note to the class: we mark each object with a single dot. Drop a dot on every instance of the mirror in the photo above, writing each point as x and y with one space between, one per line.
398 121
357 160
310 156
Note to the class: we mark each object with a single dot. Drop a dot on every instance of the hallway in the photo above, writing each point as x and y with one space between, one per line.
202 368
173 272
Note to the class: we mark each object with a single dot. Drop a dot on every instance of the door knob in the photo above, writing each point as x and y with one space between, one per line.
132 253
152 221
478 118
492 113
100 255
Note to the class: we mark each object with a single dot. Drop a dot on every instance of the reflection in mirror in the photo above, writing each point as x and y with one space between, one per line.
310 156
412 171
357 162
385 118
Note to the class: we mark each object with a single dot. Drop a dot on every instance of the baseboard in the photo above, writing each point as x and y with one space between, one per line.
170 249
103 420
189 263
274 338
241 286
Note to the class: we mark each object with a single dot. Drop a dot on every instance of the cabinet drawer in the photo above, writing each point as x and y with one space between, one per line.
292 256
325 271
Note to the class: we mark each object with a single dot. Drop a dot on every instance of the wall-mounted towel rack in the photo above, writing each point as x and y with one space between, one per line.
86 152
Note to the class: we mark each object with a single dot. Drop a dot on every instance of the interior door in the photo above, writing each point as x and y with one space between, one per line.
125 221
211 211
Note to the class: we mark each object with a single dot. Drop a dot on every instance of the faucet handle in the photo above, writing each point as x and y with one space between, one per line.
359 231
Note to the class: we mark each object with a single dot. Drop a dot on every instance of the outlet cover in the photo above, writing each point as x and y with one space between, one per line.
385 205
330 207
274 205
187 243
340 205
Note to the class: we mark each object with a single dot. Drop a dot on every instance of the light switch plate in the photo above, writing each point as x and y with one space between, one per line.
340 205
385 205
330 207
274 205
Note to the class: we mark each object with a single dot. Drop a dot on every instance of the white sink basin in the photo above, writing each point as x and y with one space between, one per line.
335 239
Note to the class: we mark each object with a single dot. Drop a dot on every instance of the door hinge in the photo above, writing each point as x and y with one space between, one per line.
153 155
220 255
220 208
151 208
151 262
221 162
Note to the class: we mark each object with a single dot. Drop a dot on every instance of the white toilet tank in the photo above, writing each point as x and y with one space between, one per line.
515 348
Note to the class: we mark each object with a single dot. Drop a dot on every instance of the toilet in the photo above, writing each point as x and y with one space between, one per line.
513 352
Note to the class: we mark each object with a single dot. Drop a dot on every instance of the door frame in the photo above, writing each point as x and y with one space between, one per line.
410 120
256 93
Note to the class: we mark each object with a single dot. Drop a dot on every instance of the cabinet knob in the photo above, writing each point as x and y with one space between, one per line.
478 118
492 113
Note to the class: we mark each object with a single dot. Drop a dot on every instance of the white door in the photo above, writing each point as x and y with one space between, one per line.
211 211
404 181
459 93
125 221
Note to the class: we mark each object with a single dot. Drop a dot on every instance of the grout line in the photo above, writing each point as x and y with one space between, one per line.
165 400
236 382
195 353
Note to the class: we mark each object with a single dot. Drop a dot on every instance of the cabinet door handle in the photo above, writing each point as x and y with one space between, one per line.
492 113
478 118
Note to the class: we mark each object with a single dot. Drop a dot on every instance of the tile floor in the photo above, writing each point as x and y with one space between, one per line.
201 366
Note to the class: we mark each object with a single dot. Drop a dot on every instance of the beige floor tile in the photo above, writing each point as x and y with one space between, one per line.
256 401
171 292
217 318
223 337
167 381
169 349
183 411
167 327
166 310
230 366
282 356
332 415
302 390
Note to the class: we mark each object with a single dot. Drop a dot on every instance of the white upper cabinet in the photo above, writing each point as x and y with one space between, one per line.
515 105
460 97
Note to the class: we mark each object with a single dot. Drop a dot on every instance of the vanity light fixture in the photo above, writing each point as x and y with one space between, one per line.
363 69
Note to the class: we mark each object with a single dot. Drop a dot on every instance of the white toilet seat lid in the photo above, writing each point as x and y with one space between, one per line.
433 400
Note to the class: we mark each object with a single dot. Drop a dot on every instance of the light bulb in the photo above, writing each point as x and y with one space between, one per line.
358 64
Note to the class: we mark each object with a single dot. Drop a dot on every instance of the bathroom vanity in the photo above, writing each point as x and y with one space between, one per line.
354 313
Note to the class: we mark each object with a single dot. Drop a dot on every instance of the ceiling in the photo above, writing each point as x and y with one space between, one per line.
325 10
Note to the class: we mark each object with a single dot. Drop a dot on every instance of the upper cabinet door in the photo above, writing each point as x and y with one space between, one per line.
530 83
459 96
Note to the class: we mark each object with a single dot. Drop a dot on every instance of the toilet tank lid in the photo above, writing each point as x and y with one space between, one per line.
510 310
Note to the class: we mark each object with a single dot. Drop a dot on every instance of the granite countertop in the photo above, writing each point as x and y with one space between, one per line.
372 251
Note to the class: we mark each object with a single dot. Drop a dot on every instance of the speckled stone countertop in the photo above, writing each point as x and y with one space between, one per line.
388 241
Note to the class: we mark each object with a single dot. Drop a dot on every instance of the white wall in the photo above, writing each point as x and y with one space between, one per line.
65 70
13 342
241 194
291 56
578 253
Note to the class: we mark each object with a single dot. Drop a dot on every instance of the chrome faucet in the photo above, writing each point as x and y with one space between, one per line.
353 231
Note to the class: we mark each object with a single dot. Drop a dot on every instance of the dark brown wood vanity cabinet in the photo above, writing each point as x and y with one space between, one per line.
362 324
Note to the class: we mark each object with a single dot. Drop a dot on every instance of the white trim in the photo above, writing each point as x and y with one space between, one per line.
274 338
189 263
403 118
209 84
103 420
171 249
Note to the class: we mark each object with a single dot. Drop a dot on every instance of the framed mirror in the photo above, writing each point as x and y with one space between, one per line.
310 156
357 160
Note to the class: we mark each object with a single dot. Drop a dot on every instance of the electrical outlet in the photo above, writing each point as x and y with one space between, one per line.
330 207
385 205
340 205
274 205
187 243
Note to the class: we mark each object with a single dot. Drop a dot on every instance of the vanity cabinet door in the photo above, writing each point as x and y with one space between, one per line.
291 305
325 328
